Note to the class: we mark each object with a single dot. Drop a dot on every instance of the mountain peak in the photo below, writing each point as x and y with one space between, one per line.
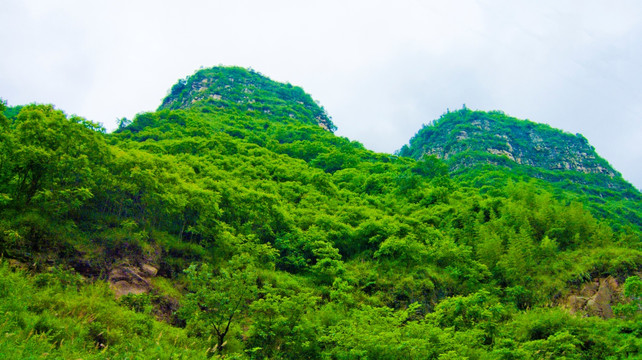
521 141
246 90
468 139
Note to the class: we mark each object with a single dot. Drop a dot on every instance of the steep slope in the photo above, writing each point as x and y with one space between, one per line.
236 233
477 144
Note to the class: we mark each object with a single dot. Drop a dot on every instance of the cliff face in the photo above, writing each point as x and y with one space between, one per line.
468 139
246 90
523 142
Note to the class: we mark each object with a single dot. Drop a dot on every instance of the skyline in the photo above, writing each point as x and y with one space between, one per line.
381 70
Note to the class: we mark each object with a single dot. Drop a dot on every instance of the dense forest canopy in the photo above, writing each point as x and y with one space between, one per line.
233 223
484 147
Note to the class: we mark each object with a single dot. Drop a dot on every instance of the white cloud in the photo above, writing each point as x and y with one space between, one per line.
380 68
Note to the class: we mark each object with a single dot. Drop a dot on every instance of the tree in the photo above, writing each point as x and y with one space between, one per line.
54 160
3 119
430 166
633 291
217 300
282 326
123 123
6 156
518 261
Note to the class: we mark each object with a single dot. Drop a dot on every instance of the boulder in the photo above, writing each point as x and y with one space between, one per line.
595 298
149 270
126 279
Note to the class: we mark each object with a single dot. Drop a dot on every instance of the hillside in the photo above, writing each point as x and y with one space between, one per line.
209 229
247 90
476 144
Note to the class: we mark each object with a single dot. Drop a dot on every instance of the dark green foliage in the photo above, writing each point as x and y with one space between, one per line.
274 238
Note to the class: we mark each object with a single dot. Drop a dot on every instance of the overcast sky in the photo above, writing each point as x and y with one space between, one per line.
380 68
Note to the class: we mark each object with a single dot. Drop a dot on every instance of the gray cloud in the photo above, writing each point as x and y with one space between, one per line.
381 69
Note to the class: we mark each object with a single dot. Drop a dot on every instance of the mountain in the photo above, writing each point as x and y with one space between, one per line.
246 90
219 226
475 144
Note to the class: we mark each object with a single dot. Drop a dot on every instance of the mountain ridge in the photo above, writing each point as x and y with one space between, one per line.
212 228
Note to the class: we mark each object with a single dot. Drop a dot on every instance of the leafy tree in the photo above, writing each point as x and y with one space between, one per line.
283 326
123 123
218 300
54 158
632 289
430 166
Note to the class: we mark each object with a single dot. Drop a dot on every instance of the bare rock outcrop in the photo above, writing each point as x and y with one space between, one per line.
126 279
595 298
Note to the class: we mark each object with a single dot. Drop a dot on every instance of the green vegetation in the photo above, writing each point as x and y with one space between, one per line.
246 90
228 232
486 149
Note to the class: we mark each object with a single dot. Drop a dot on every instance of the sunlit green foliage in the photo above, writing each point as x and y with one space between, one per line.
487 149
274 238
